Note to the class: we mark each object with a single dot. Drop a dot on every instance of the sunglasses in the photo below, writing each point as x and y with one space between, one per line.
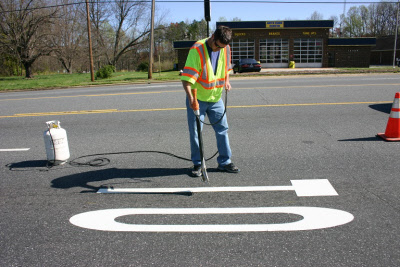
215 43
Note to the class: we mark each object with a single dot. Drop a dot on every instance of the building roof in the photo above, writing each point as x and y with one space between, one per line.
281 24
386 43
361 41
183 44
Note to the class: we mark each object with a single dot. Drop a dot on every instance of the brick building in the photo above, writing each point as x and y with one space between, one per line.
350 52
382 54
306 42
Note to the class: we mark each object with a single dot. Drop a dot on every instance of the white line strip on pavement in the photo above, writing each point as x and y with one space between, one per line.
195 189
13 149
303 188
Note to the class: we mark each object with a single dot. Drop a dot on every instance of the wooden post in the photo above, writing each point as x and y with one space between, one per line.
90 42
151 41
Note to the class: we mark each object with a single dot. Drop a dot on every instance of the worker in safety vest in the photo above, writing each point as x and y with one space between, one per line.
207 70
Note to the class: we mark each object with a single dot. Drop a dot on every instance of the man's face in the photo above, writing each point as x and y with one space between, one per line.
217 45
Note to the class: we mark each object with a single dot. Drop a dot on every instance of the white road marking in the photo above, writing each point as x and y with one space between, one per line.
303 188
313 218
313 187
14 149
155 86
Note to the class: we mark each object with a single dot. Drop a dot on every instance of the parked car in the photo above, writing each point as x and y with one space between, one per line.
246 64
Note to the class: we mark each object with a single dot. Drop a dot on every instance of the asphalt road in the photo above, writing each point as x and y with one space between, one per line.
324 188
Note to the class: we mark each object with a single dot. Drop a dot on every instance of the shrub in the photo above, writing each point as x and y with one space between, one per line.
144 66
105 72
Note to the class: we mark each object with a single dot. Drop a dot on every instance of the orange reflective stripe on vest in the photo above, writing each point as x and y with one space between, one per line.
190 72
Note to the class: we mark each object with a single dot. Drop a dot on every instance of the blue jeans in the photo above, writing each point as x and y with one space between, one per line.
214 112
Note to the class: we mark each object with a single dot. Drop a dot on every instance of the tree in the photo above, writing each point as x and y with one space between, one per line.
197 30
101 29
382 18
316 16
25 27
364 14
69 35
222 19
176 32
127 25
336 27
9 64
353 22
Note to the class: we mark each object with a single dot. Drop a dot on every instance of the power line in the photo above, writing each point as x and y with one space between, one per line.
201 1
42 7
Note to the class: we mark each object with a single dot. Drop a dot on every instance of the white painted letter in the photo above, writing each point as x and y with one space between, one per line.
313 218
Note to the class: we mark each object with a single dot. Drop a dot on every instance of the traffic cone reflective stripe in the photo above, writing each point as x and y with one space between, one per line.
395 113
392 132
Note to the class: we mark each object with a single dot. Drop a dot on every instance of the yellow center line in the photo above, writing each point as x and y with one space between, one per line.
93 95
181 91
62 113
310 104
317 86
66 112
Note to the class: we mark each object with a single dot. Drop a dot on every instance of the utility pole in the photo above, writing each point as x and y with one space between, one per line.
207 15
90 42
150 76
395 36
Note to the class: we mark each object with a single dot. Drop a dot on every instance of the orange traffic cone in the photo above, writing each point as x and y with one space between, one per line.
392 132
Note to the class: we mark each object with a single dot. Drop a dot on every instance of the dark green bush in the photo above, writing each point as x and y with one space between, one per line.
144 66
105 72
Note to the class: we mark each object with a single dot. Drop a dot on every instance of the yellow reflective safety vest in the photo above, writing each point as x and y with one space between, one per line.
199 72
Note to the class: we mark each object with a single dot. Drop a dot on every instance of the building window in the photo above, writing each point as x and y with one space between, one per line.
308 50
274 51
242 48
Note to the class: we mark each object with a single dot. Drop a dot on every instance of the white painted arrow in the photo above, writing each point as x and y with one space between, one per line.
303 188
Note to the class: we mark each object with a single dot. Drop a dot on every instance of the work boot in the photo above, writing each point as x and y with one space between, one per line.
196 171
229 168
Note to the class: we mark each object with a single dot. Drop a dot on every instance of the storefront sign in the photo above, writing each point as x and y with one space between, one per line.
240 34
274 24
274 33
310 33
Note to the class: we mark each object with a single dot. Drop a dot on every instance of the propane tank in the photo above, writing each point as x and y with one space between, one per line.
56 143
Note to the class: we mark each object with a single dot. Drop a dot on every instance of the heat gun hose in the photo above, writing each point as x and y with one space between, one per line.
98 162
226 103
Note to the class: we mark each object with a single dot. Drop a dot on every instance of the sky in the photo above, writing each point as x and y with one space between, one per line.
182 10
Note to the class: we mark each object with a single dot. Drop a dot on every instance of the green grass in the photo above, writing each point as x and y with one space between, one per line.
70 80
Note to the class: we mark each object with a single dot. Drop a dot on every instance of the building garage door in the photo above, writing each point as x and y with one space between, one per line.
242 48
308 52
274 53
